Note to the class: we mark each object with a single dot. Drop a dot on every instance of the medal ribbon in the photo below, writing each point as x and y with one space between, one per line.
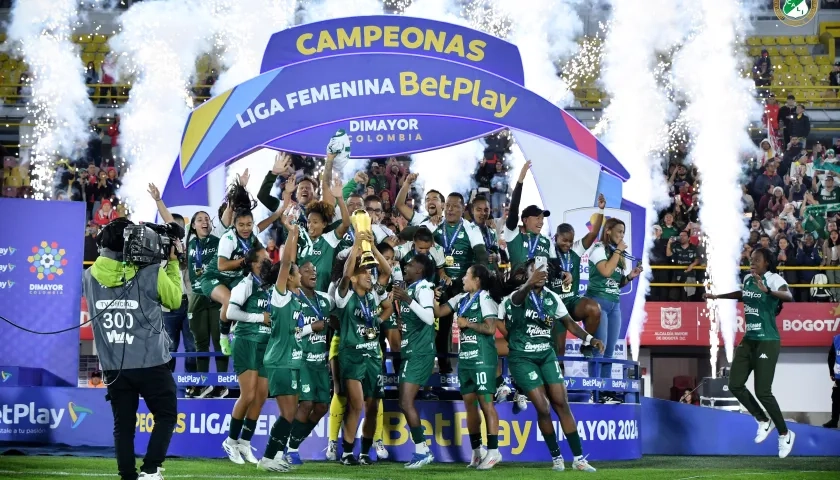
313 305
449 243
198 246
366 311
245 246
258 284
538 305
532 244
466 303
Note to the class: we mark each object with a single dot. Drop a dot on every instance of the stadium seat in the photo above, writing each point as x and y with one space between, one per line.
825 69
806 60
783 40
786 50
792 60
801 51
780 68
753 41
812 40
104 48
822 60
91 48
768 40
88 57
812 70
797 40
99 38
771 51
755 51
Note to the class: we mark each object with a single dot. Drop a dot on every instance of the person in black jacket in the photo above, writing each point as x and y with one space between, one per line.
800 124
786 114
835 392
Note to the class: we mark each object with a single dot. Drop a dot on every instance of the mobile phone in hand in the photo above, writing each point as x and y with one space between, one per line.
541 263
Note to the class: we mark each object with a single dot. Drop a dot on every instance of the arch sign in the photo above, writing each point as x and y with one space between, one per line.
401 85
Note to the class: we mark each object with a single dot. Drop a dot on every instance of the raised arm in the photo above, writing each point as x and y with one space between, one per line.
384 267
342 206
288 258
350 263
402 195
590 237
327 180
512 221
164 212
266 222
282 162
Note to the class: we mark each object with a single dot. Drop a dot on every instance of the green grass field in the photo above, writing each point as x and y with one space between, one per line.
649 468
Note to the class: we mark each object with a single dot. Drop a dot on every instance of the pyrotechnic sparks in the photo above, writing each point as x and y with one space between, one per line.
707 68
41 33
157 47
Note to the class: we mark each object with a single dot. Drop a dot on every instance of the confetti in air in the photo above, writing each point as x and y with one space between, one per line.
41 33
708 67
638 115
157 47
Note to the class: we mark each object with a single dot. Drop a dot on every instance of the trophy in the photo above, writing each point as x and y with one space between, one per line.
361 223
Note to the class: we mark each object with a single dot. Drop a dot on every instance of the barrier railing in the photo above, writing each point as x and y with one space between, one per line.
629 385
780 268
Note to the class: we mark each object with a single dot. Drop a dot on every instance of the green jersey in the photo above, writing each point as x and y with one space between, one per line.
600 286
405 252
321 252
491 241
476 349
200 252
315 309
252 299
233 247
523 246
569 262
284 349
828 197
458 242
418 320
760 308
359 322
530 325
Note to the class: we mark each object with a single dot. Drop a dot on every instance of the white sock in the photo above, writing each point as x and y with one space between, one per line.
246 443
477 451
421 448
578 457
231 441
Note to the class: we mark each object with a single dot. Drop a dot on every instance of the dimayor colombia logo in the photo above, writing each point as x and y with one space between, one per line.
47 260
78 414
796 13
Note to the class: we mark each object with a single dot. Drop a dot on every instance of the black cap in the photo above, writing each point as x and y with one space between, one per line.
534 211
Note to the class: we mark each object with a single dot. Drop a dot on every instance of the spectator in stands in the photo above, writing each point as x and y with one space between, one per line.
763 183
668 228
108 69
24 89
273 251
767 150
95 380
763 72
800 125
681 252
395 174
204 90
688 396
91 78
829 193
499 186
771 115
658 257
831 258
808 255
105 214
777 201
834 78
786 114
91 248
94 146
114 133
483 173
747 200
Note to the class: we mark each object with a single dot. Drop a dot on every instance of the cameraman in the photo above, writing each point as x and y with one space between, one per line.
132 345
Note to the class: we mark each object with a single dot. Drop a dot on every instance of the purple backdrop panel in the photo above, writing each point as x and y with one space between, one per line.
79 416
41 254
393 34
637 225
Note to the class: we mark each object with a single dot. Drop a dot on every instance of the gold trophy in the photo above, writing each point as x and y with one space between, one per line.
361 223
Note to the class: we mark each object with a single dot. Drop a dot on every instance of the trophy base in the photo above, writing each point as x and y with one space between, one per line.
368 260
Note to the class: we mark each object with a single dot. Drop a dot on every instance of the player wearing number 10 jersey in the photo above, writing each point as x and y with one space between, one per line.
477 311
529 314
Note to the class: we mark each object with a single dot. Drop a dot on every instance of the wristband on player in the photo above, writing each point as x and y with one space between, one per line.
588 339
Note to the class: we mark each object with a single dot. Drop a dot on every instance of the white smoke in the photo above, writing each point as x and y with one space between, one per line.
157 47
707 69
449 169
638 114
243 28
317 10
546 32
41 32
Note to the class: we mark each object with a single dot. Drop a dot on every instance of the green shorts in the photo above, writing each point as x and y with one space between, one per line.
283 381
211 280
532 372
364 368
478 380
314 383
417 369
570 303
390 324
248 355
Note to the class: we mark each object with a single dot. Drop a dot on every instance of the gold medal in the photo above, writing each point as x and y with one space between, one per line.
566 288
450 261
371 333
199 272
298 331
